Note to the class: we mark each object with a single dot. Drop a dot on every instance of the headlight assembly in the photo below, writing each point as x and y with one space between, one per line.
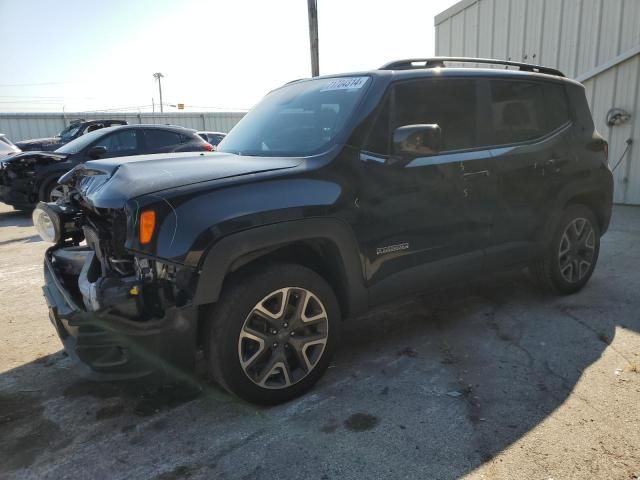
56 223
47 223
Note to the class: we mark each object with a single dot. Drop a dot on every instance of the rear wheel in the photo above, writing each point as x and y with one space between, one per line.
271 335
572 255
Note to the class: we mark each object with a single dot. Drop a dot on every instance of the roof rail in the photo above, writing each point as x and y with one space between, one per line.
433 62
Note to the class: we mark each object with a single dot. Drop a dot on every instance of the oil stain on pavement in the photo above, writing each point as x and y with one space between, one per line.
360 422
25 433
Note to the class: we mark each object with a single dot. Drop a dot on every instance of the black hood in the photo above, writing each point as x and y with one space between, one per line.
26 157
49 143
109 183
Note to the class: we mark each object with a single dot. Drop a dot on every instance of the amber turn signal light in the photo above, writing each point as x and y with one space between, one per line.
147 226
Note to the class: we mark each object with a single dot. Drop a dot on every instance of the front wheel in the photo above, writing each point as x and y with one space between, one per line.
53 192
271 335
572 255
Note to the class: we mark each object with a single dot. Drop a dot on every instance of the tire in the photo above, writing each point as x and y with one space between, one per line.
52 191
563 271
262 352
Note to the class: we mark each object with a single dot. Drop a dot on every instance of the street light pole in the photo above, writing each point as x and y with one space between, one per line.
312 6
158 76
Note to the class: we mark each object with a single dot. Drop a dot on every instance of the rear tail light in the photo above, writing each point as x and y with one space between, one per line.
606 153
207 147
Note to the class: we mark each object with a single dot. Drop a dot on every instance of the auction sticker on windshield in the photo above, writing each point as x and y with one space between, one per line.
345 83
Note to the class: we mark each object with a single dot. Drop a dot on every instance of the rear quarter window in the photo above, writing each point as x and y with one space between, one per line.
159 139
215 139
556 106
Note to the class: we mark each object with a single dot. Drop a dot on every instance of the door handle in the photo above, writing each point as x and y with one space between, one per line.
550 163
484 173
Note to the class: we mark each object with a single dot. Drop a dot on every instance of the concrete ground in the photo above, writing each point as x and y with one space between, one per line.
492 380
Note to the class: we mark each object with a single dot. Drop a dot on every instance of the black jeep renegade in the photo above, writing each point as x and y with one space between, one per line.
332 195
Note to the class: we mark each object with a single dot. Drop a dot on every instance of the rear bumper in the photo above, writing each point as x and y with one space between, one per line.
607 208
113 347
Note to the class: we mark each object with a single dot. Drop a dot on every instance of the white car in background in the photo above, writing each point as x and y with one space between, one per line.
7 147
214 138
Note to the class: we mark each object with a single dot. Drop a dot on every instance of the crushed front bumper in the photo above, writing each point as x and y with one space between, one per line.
114 347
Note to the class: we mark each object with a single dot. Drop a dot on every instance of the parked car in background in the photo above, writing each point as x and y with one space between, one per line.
332 195
29 177
7 147
76 129
214 138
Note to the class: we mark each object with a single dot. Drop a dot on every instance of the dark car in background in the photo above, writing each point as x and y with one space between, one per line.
7 147
29 177
76 129
214 138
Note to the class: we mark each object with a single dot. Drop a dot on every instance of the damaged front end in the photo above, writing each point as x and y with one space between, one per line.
21 177
120 313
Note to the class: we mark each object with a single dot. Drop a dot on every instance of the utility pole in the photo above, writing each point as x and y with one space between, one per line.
312 6
158 76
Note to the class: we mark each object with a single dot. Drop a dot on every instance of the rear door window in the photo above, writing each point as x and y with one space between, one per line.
523 111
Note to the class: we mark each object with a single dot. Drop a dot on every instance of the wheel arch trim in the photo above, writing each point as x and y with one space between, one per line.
575 191
221 256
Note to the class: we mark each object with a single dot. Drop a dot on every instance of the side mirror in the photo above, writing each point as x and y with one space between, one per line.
417 140
96 153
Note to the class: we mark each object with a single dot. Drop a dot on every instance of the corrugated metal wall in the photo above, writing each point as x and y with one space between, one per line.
581 38
22 126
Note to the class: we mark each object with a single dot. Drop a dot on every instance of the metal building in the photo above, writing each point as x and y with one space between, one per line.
596 42
23 126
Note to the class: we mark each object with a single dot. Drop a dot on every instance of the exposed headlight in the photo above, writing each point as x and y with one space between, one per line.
47 223
57 223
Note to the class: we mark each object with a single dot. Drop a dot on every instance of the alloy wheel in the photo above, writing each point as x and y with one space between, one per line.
577 250
283 338
56 193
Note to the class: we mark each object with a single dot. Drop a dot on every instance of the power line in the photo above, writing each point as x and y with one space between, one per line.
232 109
47 98
134 107
32 84
40 102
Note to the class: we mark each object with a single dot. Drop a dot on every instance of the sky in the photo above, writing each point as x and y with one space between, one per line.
215 55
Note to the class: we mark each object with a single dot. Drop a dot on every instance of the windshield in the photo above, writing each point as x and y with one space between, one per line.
296 120
74 146
68 133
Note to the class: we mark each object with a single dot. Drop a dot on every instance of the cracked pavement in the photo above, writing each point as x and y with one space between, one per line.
485 380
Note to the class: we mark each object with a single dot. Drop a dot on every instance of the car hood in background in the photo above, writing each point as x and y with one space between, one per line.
27 157
109 183
49 143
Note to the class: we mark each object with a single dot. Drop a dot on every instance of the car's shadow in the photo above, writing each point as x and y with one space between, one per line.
15 218
25 239
428 388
